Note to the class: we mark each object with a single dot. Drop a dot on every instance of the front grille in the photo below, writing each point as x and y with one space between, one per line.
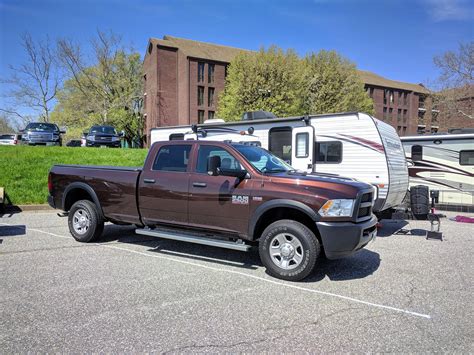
40 137
365 206
104 139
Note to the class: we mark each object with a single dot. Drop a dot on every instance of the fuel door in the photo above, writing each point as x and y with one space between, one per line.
302 148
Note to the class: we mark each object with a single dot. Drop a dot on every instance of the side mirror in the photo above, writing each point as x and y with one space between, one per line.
240 174
122 134
213 165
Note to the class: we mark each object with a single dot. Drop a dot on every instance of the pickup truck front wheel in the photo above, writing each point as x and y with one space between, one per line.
289 250
85 222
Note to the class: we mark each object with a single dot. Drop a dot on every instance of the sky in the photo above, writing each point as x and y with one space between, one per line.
393 38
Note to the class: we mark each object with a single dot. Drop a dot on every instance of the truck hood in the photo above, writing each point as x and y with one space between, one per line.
330 186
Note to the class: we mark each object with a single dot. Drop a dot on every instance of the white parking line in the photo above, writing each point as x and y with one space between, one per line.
275 282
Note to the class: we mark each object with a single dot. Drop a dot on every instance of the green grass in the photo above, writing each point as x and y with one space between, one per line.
24 170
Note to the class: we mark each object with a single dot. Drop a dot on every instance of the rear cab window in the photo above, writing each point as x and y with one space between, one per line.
172 158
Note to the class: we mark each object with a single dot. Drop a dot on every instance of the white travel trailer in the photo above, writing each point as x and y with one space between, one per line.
444 163
353 145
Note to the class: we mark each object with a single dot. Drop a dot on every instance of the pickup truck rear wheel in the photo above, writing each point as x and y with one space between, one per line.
85 222
289 250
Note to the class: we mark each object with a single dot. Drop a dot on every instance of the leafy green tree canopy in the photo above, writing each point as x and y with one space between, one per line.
285 84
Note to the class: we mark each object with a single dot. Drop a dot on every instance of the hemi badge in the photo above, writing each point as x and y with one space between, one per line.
257 198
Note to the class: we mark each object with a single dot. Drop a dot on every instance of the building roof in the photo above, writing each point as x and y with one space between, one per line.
220 53
370 78
198 49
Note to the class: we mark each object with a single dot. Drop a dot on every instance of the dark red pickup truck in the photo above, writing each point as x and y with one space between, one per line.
222 194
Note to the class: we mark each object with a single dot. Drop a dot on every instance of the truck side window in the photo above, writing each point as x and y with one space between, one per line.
206 151
417 153
176 136
172 158
466 157
328 152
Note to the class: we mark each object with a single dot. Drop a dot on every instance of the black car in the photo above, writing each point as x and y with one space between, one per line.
103 136
42 133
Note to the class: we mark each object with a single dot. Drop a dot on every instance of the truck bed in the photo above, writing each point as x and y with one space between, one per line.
114 186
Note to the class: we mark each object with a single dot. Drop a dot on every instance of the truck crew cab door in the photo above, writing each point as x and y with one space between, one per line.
219 203
303 148
163 186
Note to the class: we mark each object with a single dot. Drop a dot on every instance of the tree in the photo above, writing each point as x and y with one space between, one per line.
269 80
283 83
106 90
5 124
455 85
333 85
34 84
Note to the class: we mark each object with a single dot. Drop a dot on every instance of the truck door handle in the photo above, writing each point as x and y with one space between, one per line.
149 181
199 184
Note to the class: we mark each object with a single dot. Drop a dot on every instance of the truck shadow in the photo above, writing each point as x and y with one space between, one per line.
362 264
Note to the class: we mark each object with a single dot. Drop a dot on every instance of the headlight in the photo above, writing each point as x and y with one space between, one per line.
90 137
337 208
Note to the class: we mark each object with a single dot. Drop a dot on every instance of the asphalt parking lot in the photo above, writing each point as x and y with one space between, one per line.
129 293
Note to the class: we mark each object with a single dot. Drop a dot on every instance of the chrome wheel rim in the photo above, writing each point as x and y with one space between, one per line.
81 221
286 251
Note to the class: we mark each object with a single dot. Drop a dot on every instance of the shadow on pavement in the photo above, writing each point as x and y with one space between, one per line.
390 227
9 210
359 265
12 231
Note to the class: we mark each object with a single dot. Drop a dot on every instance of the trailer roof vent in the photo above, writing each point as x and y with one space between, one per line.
214 120
257 115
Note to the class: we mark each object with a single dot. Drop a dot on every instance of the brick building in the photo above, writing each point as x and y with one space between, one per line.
183 79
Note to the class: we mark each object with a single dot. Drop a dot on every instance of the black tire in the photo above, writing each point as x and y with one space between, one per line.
91 227
306 247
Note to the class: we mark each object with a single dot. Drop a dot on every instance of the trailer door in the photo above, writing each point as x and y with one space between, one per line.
302 148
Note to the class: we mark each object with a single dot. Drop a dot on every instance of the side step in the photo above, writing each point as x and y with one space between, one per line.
183 237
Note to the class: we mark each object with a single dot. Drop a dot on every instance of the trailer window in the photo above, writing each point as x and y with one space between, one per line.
302 145
417 153
280 142
176 137
172 158
466 157
328 152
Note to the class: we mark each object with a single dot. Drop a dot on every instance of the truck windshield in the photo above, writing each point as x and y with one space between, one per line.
40 126
263 160
103 129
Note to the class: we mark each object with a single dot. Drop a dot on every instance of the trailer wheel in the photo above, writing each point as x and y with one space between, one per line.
289 250
85 222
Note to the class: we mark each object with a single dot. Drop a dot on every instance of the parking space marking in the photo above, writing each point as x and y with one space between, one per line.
279 283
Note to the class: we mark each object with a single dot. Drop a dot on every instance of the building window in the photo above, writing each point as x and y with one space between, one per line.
200 72
391 97
328 152
210 115
210 73
200 116
399 114
421 102
385 94
371 93
405 115
400 95
390 113
416 153
405 99
210 97
404 130
200 95
384 113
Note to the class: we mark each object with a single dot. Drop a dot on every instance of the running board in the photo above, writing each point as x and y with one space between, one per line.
238 245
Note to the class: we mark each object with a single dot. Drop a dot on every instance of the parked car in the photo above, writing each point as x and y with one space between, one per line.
10 139
103 136
42 133
225 195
